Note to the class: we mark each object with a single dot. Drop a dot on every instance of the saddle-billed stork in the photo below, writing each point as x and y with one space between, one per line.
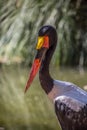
69 100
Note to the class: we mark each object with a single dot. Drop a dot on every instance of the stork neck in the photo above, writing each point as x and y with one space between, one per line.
44 75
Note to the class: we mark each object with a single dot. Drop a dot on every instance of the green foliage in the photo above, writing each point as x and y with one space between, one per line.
20 21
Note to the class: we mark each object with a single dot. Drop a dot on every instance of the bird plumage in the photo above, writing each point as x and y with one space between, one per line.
69 100
71 113
70 105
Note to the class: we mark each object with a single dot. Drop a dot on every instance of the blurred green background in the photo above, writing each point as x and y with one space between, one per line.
20 21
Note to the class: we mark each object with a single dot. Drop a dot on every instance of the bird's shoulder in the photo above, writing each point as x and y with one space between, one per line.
59 87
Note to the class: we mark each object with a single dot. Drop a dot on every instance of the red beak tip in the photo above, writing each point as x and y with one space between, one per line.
25 90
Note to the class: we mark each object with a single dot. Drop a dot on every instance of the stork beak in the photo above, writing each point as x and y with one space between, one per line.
42 42
34 69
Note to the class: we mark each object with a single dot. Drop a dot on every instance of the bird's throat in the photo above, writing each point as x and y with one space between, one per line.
46 81
44 75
